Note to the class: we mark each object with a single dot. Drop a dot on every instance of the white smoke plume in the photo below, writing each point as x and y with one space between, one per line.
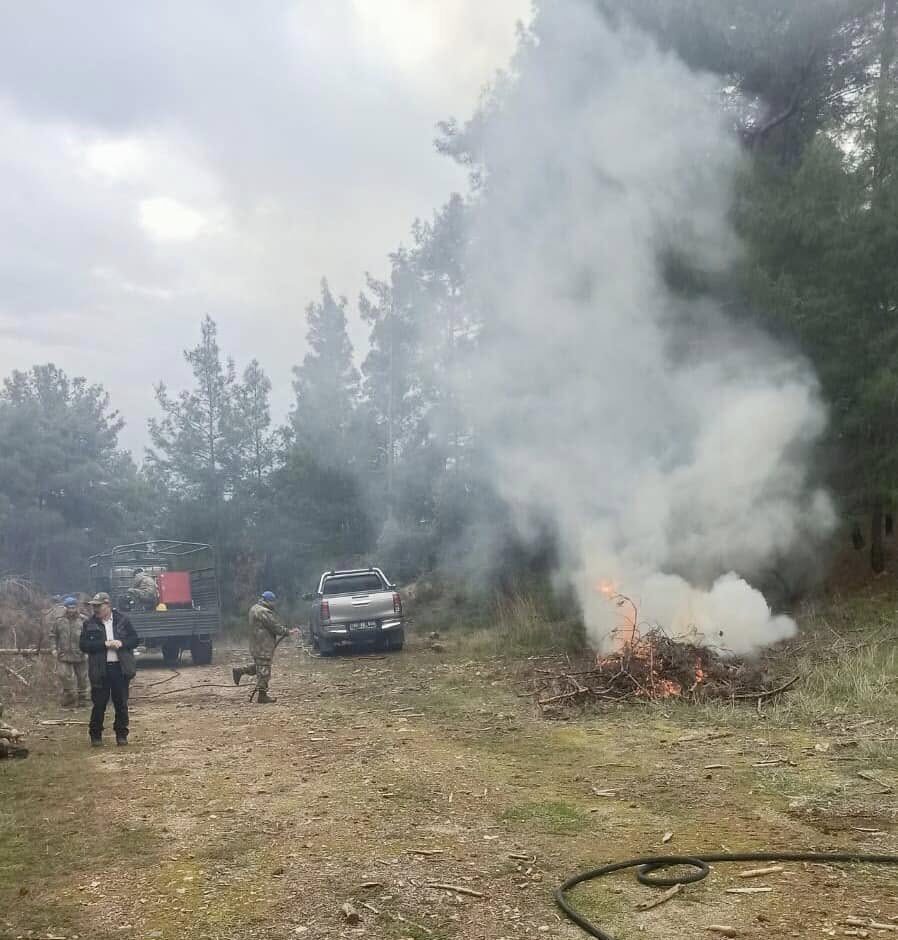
668 446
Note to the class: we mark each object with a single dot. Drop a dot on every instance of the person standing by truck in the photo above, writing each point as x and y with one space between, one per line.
109 640
144 592
71 663
266 631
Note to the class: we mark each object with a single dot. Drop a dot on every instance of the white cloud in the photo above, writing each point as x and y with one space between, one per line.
117 159
200 158
167 219
408 33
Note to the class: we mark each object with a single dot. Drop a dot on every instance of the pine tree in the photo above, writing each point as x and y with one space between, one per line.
326 384
255 444
66 490
193 450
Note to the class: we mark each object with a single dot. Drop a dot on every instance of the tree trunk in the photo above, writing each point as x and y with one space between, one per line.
877 544
881 168
885 92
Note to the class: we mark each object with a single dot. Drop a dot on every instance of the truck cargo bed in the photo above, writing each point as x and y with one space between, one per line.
152 625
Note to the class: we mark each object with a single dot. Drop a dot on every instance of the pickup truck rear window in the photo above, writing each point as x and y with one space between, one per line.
354 584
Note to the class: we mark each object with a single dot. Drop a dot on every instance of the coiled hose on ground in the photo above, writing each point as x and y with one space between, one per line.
647 866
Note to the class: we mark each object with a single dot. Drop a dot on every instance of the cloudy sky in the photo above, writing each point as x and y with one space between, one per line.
170 159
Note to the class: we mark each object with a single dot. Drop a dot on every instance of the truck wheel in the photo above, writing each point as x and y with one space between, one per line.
326 647
201 652
171 653
396 640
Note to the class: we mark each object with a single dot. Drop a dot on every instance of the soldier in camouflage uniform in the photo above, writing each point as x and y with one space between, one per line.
143 592
266 630
9 740
71 663
48 616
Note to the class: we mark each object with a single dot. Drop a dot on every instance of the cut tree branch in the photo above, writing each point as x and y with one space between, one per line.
757 136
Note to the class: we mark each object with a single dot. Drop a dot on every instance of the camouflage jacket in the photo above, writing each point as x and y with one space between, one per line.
65 632
145 586
265 628
7 731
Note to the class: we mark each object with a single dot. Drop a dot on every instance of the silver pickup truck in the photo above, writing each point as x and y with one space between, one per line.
355 608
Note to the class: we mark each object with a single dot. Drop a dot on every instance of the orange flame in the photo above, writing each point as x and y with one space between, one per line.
626 633
606 588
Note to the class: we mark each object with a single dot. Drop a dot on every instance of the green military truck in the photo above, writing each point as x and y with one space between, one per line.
187 615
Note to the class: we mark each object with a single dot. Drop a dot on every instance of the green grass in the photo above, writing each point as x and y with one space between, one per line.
49 820
847 658
551 816
520 621
842 679
404 930
523 625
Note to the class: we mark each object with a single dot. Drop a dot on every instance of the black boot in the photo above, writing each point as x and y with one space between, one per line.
237 673
12 749
265 699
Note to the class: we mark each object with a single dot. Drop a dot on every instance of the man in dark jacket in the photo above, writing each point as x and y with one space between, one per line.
109 640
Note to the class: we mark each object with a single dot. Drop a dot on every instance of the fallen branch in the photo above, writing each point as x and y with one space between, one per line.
758 872
654 667
566 696
12 672
661 899
872 924
411 923
174 675
455 889
887 788
187 688
760 696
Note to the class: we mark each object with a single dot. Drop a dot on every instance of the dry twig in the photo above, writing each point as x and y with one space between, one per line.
17 675
456 889
661 899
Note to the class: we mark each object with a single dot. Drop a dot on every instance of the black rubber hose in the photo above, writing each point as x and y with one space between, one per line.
646 866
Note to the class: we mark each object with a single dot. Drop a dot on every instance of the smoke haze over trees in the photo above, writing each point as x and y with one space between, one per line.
692 223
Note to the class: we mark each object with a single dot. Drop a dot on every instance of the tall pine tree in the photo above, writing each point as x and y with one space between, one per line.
326 385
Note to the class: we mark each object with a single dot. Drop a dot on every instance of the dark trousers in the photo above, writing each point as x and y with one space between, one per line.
114 686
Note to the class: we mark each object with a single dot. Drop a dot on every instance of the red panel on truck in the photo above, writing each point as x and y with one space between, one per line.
174 587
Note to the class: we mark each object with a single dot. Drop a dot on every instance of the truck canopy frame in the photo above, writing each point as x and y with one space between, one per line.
192 624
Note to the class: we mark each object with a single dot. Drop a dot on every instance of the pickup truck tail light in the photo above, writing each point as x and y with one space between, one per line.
325 611
397 603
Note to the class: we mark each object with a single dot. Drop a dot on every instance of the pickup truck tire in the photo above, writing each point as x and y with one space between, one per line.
326 647
396 640
201 652
171 653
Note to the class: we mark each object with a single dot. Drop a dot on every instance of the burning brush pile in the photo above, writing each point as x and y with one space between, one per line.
649 666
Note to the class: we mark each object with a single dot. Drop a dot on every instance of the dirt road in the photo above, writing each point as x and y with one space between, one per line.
377 778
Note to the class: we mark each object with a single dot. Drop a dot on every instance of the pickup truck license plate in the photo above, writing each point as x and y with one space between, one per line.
364 625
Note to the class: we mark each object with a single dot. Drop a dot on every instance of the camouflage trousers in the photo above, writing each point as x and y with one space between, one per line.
143 600
261 669
73 679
